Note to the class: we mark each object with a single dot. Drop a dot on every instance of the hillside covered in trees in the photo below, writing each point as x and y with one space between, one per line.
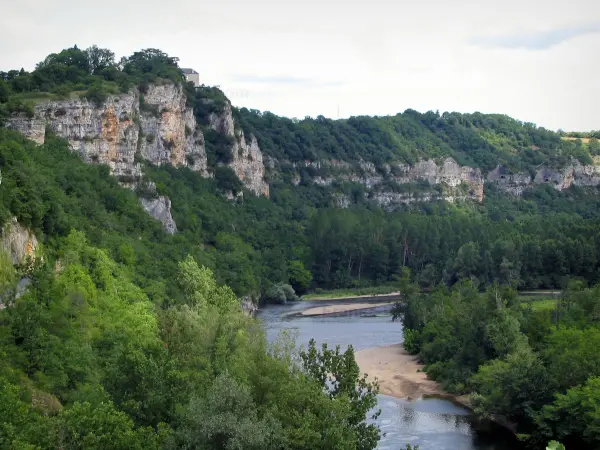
128 329
254 243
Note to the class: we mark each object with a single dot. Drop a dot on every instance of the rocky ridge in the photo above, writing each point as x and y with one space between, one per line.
156 126
573 174
427 180
444 180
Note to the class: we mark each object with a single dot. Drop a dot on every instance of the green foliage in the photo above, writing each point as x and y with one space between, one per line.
299 277
280 293
88 362
228 418
479 140
412 341
200 288
338 374
227 180
574 415
536 368
93 70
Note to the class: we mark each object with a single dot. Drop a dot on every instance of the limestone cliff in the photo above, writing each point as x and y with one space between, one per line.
574 173
170 135
443 180
247 159
157 124
18 242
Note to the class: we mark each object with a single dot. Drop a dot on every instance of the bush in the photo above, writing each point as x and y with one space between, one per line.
280 293
96 93
17 106
412 341
227 180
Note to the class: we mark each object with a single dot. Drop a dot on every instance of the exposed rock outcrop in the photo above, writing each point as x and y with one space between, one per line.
512 183
160 126
447 180
573 174
18 242
248 306
160 209
247 159
169 129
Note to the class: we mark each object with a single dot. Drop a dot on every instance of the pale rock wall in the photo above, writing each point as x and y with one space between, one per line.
160 209
247 159
18 242
170 136
573 174
458 182
110 134
162 131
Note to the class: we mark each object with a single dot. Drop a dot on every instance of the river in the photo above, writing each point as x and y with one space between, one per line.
431 423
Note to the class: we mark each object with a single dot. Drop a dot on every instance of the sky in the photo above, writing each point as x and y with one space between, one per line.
537 61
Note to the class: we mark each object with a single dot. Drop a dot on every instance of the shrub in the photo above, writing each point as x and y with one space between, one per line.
412 341
227 180
97 94
280 293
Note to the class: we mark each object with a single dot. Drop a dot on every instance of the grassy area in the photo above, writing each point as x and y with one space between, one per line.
35 97
571 138
342 293
538 304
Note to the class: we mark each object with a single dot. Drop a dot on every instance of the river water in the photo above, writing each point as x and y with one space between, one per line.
431 423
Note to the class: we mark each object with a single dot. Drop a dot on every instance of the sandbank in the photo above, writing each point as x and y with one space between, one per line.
334 309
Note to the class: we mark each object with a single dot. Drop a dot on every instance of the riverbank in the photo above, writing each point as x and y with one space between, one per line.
342 308
348 295
399 374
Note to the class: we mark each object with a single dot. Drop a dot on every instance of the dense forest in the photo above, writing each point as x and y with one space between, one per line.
128 337
534 364
476 140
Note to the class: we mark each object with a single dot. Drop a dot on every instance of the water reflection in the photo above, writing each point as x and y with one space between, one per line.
431 423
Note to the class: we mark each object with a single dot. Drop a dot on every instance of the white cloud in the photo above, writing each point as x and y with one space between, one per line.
377 57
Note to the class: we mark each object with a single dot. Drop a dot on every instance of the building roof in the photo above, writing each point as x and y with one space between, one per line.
188 71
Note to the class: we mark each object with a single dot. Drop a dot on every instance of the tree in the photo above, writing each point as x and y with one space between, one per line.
228 419
298 276
83 426
8 279
513 386
339 375
573 416
466 265
99 58
5 91
201 290
572 356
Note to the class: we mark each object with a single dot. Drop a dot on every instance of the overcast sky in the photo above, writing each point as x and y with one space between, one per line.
538 61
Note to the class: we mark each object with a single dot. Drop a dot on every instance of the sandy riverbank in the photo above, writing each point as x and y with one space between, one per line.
392 295
397 374
400 375
334 309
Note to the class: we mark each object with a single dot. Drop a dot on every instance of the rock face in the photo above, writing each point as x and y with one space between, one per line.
247 159
169 129
157 124
573 174
444 180
160 209
18 242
